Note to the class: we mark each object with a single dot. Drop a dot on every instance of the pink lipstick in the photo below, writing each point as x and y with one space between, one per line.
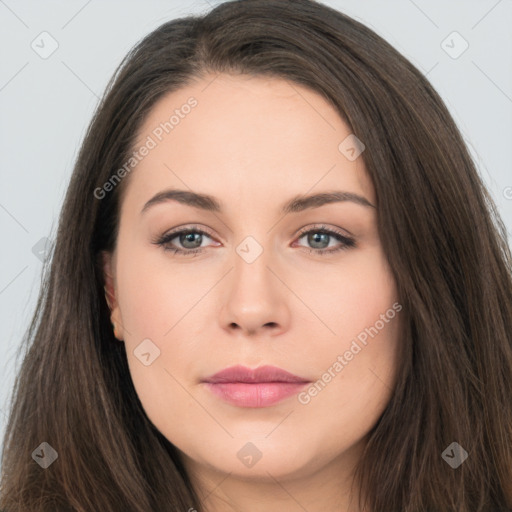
261 387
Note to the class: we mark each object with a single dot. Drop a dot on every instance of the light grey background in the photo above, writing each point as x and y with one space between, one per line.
47 103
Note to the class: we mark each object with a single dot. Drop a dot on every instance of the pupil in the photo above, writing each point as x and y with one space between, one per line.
315 239
185 238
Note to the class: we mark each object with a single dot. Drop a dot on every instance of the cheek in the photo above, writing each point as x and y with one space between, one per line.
358 294
365 315
161 303
153 294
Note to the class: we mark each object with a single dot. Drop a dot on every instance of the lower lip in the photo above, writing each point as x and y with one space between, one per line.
262 394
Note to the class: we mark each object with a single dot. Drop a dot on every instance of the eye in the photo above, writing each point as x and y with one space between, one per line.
191 239
319 237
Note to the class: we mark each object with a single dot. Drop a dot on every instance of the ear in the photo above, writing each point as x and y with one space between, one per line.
108 266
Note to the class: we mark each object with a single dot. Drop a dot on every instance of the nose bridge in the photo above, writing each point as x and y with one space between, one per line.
251 266
254 298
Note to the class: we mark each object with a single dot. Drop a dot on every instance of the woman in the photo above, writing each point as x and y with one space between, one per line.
339 338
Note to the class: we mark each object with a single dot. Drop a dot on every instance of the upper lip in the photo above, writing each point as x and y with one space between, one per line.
267 373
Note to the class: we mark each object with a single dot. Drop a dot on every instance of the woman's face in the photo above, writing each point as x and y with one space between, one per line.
304 288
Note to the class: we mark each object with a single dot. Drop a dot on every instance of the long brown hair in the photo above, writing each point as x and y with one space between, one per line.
445 242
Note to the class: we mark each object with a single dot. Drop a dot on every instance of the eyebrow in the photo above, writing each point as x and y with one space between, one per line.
296 204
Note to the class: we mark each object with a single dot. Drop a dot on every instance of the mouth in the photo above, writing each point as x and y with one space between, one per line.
261 387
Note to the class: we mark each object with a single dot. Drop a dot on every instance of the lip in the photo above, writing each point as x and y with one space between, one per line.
261 387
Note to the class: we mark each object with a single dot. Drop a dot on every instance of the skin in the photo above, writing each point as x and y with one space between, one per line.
254 143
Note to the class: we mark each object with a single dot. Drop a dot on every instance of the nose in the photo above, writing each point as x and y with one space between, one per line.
255 299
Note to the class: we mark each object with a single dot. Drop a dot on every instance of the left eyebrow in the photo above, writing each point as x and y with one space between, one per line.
296 204
300 203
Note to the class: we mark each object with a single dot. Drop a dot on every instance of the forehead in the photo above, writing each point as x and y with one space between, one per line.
245 136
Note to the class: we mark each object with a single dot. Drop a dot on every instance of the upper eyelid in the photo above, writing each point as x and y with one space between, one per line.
193 229
301 232
323 227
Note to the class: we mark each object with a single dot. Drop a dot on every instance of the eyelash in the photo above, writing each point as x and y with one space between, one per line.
346 241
